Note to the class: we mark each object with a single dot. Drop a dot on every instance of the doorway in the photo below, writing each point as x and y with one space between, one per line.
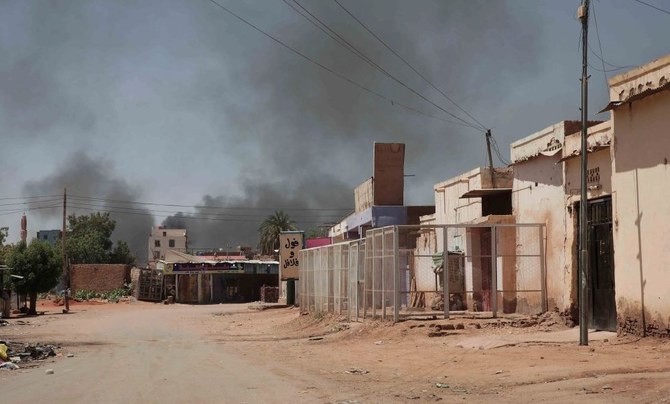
601 263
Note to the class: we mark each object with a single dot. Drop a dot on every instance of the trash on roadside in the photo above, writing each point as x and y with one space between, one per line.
441 385
50 371
70 355
9 366
3 352
356 371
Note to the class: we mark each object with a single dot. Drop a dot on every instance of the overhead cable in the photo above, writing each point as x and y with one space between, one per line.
357 52
326 68
408 64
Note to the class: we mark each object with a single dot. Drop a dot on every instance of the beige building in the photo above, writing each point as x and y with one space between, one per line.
162 240
478 197
546 189
640 104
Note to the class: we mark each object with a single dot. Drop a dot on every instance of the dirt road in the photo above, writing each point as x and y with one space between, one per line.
150 353
144 354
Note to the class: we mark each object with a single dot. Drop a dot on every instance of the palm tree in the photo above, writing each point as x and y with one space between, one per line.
270 229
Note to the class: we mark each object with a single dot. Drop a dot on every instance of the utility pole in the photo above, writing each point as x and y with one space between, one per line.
66 272
583 14
488 150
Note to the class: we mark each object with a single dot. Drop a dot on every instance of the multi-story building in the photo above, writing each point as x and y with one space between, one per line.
50 236
162 240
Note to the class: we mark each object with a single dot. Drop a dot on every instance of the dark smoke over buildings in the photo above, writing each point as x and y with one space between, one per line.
311 203
91 187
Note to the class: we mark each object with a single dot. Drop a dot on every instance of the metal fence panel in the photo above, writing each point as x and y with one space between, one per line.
403 271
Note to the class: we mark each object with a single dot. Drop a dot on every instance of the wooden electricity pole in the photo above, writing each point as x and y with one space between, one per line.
66 272
583 14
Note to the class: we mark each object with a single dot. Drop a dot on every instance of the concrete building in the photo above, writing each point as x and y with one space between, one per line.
50 236
640 105
379 200
546 190
215 279
478 197
162 240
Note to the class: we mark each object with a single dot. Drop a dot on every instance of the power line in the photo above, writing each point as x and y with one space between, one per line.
79 204
351 48
87 198
348 80
612 67
408 64
29 197
600 45
653 6
496 149
12 212
187 217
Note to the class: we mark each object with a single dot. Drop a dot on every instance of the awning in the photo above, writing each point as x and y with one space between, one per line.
615 104
578 153
478 193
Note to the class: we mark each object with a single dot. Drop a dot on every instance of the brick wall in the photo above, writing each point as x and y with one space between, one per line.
99 277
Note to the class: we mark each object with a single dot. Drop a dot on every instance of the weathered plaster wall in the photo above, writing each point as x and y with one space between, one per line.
537 197
641 184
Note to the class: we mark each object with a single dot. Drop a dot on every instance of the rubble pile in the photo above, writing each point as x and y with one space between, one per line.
13 353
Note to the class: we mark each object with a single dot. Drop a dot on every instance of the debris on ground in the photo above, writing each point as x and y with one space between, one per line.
356 371
9 366
50 371
15 352
441 385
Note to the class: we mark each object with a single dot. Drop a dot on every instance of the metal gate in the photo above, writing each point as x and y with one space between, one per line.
150 285
601 264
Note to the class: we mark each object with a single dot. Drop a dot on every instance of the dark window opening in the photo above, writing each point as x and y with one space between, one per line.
500 204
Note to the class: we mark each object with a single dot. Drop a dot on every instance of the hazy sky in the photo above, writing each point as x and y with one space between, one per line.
177 102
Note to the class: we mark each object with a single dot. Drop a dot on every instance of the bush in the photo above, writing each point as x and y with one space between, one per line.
113 295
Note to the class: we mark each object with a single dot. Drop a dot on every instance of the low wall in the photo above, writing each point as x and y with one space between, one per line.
99 277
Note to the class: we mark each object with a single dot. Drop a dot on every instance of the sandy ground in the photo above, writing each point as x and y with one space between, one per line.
152 353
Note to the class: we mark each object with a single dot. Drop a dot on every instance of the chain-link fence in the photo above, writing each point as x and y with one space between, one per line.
329 278
404 271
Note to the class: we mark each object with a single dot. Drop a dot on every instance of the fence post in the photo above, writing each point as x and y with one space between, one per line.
445 270
396 276
494 272
543 270
383 268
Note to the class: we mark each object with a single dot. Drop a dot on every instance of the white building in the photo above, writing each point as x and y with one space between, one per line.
161 240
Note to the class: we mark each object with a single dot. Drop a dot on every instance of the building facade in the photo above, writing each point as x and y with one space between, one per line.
640 105
162 240
50 236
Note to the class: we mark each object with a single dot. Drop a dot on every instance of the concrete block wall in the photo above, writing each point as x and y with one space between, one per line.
99 277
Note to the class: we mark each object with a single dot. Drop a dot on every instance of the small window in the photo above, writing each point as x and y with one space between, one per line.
171 243
157 255
157 243
164 233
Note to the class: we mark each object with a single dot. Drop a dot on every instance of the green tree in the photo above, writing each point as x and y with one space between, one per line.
89 241
4 249
121 254
40 266
3 235
270 229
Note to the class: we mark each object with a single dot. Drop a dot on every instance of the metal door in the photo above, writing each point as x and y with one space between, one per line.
601 264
